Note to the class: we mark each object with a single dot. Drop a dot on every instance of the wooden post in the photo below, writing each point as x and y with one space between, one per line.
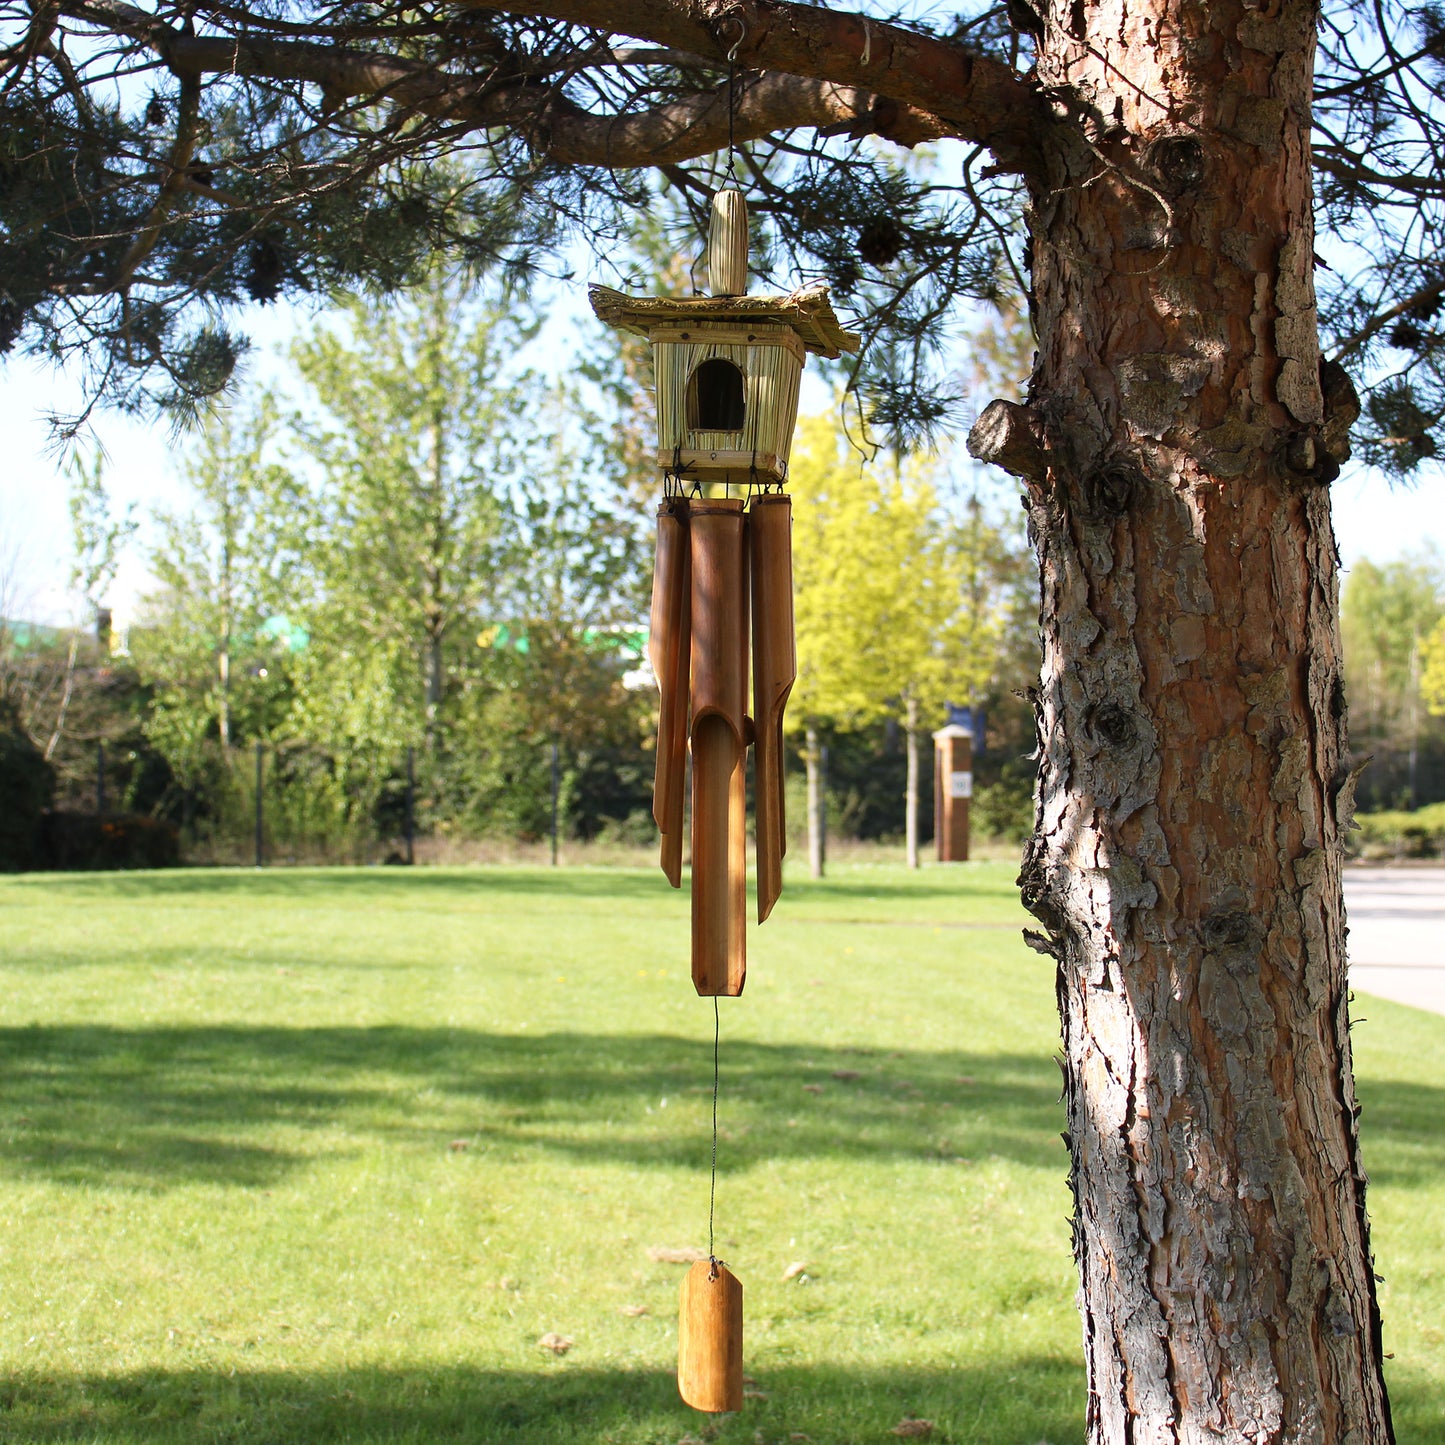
952 790
710 1338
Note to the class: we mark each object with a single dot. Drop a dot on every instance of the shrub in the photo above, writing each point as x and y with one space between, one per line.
1004 809
1398 834
82 842
27 784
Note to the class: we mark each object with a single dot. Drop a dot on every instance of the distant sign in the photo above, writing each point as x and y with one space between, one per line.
960 785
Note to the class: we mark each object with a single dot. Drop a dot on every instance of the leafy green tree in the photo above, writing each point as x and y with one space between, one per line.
97 536
571 602
843 576
201 639
399 516
1388 614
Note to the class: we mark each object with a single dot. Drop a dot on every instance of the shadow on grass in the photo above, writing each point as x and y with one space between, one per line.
159 1107
1014 1402
1402 1131
153 1108
427 885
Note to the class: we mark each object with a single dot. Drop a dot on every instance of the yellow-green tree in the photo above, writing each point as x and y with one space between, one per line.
1432 670
1388 611
889 608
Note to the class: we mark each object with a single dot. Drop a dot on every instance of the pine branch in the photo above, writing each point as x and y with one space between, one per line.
813 79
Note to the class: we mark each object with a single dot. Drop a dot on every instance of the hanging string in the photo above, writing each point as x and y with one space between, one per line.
712 1187
731 172
731 175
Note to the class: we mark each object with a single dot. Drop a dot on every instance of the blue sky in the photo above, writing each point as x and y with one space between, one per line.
1372 518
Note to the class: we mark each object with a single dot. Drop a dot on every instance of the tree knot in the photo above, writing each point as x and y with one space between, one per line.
1010 436
1111 488
1303 457
1177 161
1112 725
1231 929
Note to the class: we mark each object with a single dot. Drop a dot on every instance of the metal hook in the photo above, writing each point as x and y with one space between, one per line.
742 35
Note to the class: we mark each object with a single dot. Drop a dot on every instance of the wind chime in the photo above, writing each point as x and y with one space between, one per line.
728 368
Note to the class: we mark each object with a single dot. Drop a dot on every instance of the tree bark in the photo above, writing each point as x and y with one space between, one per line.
813 758
1193 787
910 793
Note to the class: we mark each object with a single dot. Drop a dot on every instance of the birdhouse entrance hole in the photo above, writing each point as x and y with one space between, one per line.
715 400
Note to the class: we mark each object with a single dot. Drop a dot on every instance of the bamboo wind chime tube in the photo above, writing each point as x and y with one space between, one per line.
710 1338
775 669
719 734
668 649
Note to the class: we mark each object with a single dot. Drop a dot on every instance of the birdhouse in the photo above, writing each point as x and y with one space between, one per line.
728 365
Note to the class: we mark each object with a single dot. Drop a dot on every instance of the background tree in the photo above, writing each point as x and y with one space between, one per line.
1388 612
853 543
894 609
399 521
200 640
1432 671
572 602
98 537
969 633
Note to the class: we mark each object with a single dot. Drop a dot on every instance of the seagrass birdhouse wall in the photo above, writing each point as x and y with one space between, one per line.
727 399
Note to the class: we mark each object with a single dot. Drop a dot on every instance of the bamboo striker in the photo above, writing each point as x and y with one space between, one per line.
668 651
710 1338
775 668
719 735
727 245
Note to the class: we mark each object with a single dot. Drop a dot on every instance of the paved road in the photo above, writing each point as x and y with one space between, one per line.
1397 933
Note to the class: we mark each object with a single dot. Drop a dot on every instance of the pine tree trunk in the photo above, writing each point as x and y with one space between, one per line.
1193 788
910 796
817 816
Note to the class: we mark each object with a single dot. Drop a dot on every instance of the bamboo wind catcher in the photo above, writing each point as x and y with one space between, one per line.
728 370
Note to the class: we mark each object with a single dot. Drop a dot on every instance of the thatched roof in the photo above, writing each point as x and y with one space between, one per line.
808 311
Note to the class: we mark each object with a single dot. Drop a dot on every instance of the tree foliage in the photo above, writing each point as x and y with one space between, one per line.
202 637
1389 612
433 549
899 595
1432 673
162 169
397 518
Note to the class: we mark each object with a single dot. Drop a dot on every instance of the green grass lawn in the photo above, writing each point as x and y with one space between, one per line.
321 1155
